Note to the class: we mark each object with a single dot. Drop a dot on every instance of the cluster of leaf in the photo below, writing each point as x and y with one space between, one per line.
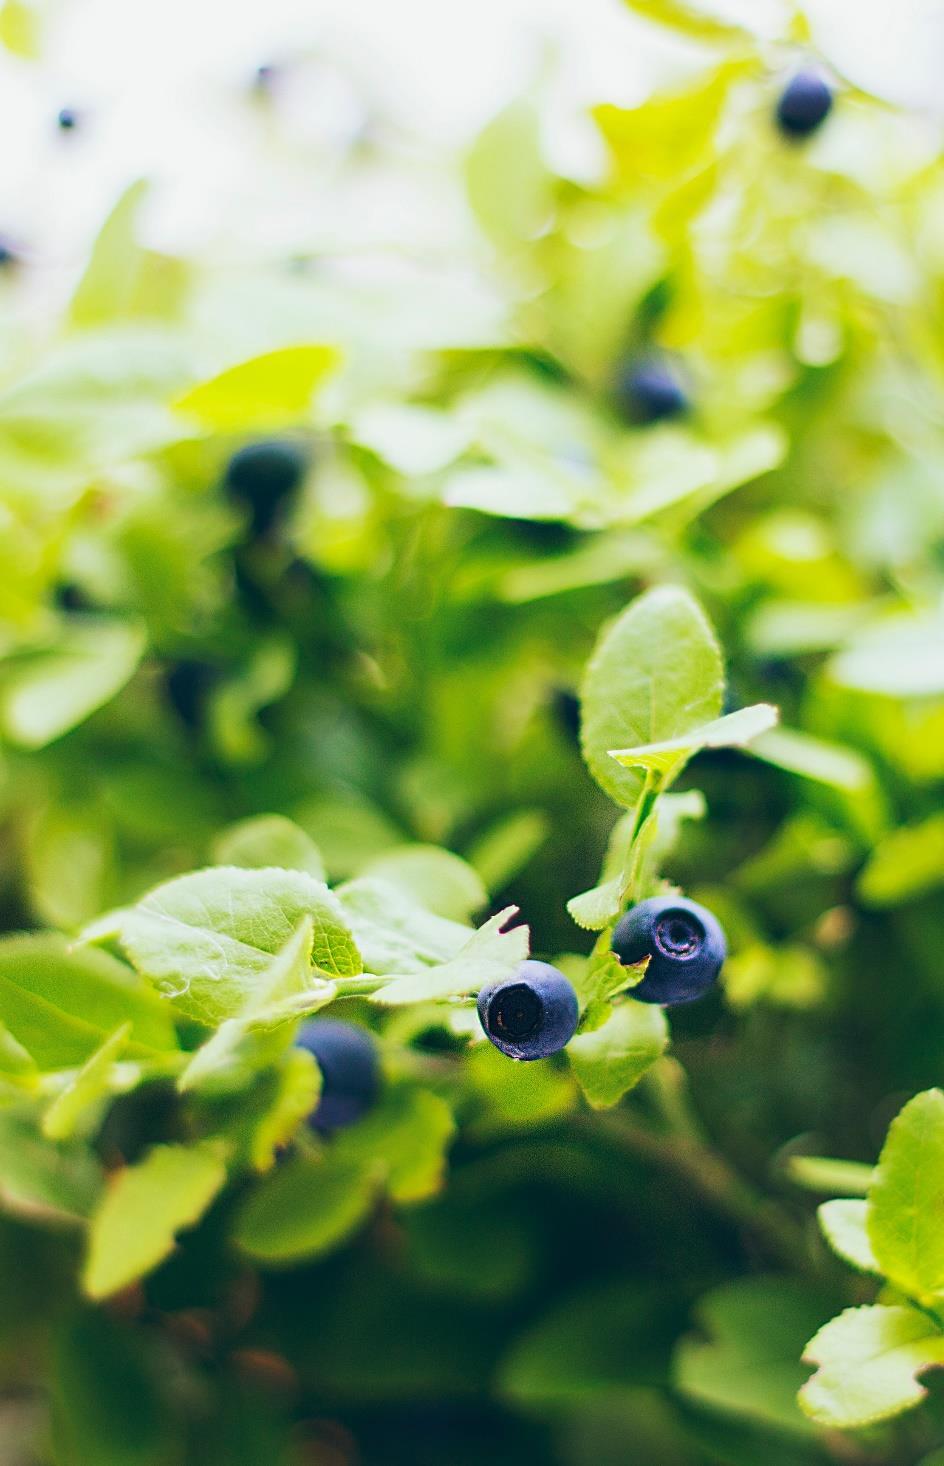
321 714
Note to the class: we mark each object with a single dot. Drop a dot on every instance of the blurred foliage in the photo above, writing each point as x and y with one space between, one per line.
384 682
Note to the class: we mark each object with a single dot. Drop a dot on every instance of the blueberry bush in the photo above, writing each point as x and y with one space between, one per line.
427 655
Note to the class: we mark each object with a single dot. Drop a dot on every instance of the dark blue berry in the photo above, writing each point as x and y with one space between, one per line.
683 941
804 104
188 684
262 476
350 1071
531 1014
649 391
68 119
9 254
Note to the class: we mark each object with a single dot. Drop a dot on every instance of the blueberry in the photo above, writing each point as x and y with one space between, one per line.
9 254
350 1071
530 1015
804 104
648 391
68 119
261 477
683 941
188 683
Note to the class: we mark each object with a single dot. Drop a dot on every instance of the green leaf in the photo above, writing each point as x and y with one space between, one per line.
749 1364
869 1361
508 184
205 940
284 991
905 864
666 758
20 29
490 955
844 1225
517 1097
294 1097
631 864
86 1087
690 20
404 1138
611 1059
305 1208
836 1178
814 758
62 1002
395 934
266 392
135 1225
44 1183
506 847
107 287
655 675
906 1199
901 656
268 840
434 878
107 1402
44 695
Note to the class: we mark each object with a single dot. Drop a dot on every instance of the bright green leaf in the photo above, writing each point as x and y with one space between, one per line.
905 864
869 1364
305 1208
433 878
268 840
45 695
266 392
144 1207
844 1225
611 1059
906 1199
86 1088
490 955
735 730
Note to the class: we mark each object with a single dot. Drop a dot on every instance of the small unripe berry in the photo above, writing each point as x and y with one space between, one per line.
804 104
683 941
531 1014
350 1071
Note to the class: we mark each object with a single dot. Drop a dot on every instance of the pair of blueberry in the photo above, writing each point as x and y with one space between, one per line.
534 1013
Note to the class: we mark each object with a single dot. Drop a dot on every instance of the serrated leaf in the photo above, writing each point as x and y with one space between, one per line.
749 1365
611 1059
135 1225
266 840
62 1002
434 878
304 1208
86 1087
45 695
844 1225
266 392
206 939
906 1199
286 990
869 1361
490 955
655 675
735 730
394 934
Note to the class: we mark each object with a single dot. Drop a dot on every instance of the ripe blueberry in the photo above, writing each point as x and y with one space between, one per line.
648 391
531 1014
683 941
68 119
261 477
350 1071
188 683
804 104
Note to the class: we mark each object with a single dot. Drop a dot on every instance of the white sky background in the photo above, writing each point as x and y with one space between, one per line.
163 89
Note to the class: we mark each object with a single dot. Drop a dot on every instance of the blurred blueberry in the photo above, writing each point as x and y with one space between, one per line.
804 104
261 476
530 1015
683 941
188 683
648 391
68 119
350 1071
